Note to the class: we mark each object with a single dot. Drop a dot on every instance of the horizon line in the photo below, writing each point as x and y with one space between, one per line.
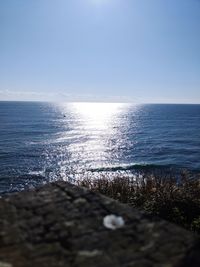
108 102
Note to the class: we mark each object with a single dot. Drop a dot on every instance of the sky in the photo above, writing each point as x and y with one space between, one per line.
141 51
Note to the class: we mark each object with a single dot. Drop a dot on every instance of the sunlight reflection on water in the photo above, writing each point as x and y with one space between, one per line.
96 124
91 136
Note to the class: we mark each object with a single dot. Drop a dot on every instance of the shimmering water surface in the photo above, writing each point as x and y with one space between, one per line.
41 142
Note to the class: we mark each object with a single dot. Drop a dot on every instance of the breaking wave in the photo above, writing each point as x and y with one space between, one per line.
132 167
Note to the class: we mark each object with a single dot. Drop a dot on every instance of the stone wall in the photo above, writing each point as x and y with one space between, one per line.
60 225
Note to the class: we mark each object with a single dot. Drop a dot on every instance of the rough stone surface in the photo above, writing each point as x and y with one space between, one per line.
62 225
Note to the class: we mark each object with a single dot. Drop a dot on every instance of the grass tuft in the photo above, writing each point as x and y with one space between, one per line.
174 199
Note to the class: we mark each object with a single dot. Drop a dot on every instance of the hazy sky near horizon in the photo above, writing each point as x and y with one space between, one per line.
100 50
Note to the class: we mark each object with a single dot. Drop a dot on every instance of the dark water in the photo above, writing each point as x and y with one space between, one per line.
42 142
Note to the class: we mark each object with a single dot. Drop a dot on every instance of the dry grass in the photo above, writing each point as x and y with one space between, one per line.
171 198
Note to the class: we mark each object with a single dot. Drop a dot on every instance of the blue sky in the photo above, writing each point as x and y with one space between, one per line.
100 50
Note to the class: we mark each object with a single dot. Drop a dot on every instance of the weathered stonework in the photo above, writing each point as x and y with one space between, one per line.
61 225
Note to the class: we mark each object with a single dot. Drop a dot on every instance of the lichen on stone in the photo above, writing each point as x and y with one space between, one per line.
113 222
87 253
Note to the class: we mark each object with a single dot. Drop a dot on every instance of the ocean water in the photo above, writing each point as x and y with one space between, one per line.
43 142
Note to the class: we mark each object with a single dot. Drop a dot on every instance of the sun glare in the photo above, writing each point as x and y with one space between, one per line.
98 115
91 134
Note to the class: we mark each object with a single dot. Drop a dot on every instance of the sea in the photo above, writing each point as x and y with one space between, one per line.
45 142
